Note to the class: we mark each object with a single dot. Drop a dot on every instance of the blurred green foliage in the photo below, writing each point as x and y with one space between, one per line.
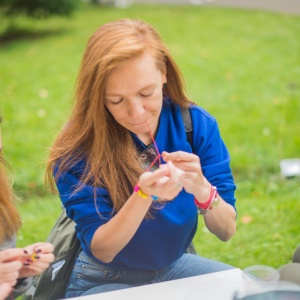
38 8
241 65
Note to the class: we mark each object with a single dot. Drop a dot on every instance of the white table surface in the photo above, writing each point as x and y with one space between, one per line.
213 286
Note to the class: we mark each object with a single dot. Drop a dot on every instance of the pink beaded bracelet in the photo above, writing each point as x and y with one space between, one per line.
138 190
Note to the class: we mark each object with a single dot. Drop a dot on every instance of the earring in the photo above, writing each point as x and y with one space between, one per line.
164 85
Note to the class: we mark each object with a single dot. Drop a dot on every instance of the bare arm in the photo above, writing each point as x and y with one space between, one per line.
221 220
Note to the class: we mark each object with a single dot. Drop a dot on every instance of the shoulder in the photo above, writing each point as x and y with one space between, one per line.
200 114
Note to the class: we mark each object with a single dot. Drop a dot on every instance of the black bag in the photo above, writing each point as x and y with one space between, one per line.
51 284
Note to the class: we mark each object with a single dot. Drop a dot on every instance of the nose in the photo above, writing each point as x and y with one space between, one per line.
136 108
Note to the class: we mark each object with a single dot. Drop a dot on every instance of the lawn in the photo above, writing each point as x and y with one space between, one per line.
242 66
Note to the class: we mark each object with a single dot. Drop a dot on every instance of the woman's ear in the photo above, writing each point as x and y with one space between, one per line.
164 77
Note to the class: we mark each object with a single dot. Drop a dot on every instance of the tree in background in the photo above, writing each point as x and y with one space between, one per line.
34 9
38 8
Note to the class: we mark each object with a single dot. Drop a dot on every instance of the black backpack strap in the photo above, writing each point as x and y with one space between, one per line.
188 124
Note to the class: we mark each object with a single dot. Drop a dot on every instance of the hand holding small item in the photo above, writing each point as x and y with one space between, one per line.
16 263
194 181
165 183
38 258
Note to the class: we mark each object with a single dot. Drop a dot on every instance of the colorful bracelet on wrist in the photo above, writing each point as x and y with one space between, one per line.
203 208
138 190
155 198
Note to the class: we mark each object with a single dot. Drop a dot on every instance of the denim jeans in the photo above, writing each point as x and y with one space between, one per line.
88 277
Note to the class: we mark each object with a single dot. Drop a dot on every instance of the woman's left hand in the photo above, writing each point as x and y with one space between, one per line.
194 182
39 257
222 221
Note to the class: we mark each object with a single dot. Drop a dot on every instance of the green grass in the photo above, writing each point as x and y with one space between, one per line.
242 66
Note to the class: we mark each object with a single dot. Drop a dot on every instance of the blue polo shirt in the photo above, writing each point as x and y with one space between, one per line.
161 240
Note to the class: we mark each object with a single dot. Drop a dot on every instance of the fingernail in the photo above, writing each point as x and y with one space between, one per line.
25 251
38 251
36 256
26 264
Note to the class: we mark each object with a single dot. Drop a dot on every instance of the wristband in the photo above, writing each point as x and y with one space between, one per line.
138 190
155 198
203 208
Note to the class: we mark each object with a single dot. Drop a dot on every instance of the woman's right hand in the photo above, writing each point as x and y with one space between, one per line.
5 289
41 255
10 264
165 182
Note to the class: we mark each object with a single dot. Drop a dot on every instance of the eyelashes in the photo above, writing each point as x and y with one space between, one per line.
143 95
116 102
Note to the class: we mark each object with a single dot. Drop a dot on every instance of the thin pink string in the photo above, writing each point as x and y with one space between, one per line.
156 148
151 165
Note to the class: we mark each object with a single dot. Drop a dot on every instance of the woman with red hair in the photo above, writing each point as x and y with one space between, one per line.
17 265
126 173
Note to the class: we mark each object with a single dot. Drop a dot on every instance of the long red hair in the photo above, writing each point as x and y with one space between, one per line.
10 220
91 132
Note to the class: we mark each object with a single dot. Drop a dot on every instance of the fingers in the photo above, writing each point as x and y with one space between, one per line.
163 174
30 261
151 177
46 258
39 260
42 254
178 156
194 179
182 170
12 254
36 252
34 269
168 188
183 160
188 162
39 248
175 175
9 272
8 267
45 247
165 182
5 289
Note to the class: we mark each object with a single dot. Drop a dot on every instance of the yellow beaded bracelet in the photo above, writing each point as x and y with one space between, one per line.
140 192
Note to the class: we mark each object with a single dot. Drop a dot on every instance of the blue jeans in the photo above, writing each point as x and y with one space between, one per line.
89 278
